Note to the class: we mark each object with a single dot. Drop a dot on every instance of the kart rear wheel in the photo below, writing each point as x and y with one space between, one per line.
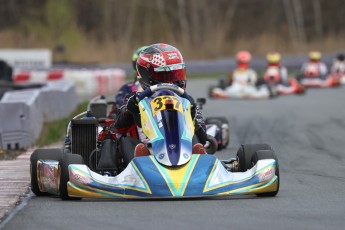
245 154
223 83
66 160
43 154
210 91
267 154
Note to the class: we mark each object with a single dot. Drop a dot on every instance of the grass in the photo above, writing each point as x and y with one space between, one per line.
206 75
54 132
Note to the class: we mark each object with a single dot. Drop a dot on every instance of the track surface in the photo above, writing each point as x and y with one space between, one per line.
307 133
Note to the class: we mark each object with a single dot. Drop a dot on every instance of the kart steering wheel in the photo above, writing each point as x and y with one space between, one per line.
152 89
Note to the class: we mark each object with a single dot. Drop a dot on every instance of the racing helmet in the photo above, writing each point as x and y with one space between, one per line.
315 56
341 57
243 59
161 63
273 58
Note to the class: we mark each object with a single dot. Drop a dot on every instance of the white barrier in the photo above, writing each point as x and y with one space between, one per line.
23 112
88 82
21 118
27 58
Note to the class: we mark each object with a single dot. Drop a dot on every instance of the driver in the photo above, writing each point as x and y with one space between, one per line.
315 67
158 63
243 74
275 72
338 65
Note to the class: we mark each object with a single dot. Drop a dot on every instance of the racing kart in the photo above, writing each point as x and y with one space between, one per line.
171 171
272 78
217 127
340 76
240 90
312 78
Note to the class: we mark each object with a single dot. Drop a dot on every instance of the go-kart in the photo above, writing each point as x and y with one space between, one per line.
217 127
240 90
171 171
272 78
312 78
339 75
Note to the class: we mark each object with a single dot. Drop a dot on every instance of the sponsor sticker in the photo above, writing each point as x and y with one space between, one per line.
267 175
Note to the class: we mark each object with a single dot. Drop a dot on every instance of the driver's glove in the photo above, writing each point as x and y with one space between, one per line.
132 104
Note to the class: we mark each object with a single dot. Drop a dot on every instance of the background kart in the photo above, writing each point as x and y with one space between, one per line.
340 76
330 81
239 91
294 87
255 170
273 79
312 78
217 127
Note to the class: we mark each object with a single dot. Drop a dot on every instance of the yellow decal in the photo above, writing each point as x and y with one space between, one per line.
177 178
159 103
146 124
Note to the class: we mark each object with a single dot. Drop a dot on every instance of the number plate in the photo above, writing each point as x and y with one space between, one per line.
158 104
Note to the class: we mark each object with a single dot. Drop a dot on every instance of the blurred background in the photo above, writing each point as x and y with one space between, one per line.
107 31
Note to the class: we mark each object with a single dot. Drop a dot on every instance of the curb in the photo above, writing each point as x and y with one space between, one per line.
14 182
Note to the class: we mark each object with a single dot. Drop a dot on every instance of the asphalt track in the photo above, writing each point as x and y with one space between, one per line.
308 135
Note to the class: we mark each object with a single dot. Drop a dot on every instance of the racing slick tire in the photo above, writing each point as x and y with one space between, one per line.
267 154
65 161
210 91
48 154
224 127
223 83
245 154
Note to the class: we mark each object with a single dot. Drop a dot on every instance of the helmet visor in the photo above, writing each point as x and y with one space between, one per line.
170 73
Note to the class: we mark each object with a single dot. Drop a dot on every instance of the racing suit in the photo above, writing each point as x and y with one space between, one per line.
314 69
276 74
338 67
124 91
243 84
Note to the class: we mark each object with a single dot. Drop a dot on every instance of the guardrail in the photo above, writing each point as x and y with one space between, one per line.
23 112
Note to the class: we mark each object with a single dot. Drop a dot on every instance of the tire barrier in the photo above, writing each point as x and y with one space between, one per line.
23 112
88 82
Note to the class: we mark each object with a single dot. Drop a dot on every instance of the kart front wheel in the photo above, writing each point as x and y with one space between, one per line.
66 160
262 155
41 154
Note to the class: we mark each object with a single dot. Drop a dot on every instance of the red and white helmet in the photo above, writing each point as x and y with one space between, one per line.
243 59
161 63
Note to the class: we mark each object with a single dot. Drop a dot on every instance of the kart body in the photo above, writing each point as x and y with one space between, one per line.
312 78
273 79
340 76
240 91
